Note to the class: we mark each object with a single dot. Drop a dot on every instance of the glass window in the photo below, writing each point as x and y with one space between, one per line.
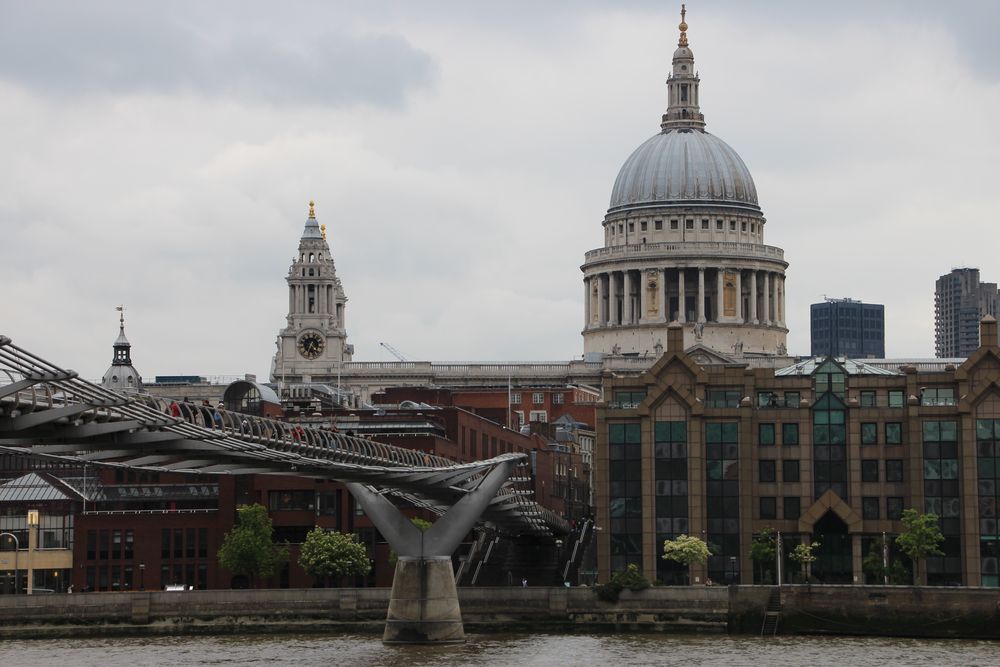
937 396
658 225
515 398
869 433
768 508
537 397
766 434
893 433
894 508
869 470
792 399
869 508
722 398
293 500
673 224
767 470
767 399
792 507
896 398
789 434
868 399
893 470
790 470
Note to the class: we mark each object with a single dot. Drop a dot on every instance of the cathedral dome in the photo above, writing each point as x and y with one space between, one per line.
680 165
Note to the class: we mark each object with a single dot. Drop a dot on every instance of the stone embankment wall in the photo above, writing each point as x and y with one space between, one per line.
903 611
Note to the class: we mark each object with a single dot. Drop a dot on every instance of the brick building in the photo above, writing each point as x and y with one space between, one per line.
826 450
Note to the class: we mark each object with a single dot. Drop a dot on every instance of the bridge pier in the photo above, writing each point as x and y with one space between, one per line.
423 607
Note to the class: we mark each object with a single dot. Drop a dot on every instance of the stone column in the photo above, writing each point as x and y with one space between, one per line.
753 297
291 299
782 301
602 303
767 298
586 303
612 295
681 294
643 296
719 284
700 306
627 297
739 295
664 304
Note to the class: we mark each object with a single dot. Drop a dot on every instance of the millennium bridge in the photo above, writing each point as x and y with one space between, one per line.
49 411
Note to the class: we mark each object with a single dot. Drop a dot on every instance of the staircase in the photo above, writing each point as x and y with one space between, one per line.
582 534
772 613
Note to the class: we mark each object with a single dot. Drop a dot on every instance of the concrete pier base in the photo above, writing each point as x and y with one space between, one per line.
423 606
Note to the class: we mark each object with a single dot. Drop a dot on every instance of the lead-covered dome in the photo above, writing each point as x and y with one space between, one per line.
685 164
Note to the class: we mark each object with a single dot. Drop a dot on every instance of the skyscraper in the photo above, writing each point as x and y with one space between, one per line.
960 301
847 328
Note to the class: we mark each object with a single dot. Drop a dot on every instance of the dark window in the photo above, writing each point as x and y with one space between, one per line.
894 470
792 507
767 399
868 399
766 434
789 434
203 543
768 508
659 225
722 398
292 500
869 470
869 433
673 224
894 508
893 433
165 543
767 470
790 470
792 399
869 507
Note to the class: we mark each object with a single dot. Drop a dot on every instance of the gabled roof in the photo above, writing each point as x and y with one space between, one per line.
850 366
706 356
37 487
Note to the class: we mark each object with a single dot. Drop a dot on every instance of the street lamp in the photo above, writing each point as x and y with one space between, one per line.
142 576
17 547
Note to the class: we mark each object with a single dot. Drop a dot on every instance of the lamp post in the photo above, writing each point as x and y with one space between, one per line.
17 547
142 576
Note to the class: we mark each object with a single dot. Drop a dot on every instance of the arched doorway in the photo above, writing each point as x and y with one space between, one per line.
834 560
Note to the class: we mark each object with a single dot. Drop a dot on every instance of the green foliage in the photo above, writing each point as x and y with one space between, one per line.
920 537
332 554
804 555
763 548
686 550
874 567
248 548
631 578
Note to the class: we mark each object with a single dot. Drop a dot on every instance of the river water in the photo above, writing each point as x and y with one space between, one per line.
519 650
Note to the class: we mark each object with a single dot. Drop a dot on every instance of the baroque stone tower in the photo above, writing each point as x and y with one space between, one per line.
313 344
684 242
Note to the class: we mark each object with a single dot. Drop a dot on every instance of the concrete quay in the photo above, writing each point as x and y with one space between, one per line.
858 610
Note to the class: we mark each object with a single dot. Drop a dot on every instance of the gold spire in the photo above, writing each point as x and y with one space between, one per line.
312 210
322 230
683 41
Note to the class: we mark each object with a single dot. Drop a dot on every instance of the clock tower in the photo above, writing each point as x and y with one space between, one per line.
313 343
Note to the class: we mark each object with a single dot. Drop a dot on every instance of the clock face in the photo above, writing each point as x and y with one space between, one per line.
310 345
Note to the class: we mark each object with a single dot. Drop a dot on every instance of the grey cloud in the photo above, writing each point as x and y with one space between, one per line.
124 48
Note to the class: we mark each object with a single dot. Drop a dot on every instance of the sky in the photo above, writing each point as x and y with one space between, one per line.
461 155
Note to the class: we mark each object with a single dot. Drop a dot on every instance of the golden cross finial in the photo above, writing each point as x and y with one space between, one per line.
312 210
683 41
322 230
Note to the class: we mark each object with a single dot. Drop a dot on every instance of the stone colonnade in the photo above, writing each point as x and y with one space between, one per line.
686 294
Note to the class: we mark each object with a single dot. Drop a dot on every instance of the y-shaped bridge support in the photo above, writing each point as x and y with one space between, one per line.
423 606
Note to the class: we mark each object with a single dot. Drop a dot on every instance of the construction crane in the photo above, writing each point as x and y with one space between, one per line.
396 353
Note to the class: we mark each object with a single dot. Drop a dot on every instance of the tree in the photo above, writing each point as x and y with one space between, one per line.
630 578
804 555
248 549
327 554
919 539
874 566
686 550
422 525
763 548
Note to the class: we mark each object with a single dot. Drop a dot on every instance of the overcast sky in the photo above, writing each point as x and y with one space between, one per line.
461 154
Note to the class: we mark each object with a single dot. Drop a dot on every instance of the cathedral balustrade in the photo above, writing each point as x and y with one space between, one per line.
689 249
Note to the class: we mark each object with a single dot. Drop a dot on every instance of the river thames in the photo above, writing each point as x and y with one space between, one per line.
585 650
